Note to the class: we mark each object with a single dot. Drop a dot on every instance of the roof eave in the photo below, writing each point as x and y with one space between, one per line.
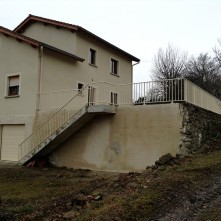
32 18
108 43
67 54
19 37
35 43
71 27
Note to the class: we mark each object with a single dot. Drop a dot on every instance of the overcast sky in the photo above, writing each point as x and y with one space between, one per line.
139 27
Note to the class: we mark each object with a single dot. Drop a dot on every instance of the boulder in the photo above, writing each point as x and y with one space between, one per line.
165 160
70 214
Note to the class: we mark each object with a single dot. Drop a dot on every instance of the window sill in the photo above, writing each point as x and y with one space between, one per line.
116 75
12 96
93 65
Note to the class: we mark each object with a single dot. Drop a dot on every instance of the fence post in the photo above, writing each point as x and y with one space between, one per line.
172 91
144 95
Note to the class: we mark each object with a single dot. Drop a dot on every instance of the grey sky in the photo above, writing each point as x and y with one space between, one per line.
139 27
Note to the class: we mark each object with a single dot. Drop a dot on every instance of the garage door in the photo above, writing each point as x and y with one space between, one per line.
12 136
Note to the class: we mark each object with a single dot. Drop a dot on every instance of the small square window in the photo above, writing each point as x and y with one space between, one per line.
114 66
80 87
13 85
114 98
92 57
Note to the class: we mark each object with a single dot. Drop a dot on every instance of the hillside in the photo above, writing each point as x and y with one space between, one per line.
177 189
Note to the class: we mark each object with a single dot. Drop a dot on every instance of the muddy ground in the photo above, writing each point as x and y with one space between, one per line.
183 189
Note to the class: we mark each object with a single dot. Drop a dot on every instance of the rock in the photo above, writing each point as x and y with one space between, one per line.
165 159
149 169
162 167
154 167
98 197
132 185
187 144
90 197
70 214
187 139
176 161
79 200
184 152
69 204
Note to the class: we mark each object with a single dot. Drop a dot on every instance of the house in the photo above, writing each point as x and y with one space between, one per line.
67 94
43 64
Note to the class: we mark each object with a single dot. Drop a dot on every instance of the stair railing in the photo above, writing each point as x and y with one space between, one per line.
56 121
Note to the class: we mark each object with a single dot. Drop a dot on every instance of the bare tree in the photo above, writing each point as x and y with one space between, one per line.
169 64
204 71
217 52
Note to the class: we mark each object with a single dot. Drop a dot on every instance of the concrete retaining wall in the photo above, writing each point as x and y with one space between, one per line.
130 140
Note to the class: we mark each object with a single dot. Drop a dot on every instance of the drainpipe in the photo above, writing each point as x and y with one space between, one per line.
40 74
41 68
132 68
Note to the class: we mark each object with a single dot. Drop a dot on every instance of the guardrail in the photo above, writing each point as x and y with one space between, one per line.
201 98
82 99
165 91
158 91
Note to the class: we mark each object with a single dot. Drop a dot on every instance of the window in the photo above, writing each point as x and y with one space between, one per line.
80 86
114 98
92 57
13 85
114 66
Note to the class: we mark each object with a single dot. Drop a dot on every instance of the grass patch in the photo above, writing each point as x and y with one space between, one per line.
35 193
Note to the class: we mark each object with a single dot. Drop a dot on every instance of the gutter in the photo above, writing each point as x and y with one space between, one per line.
136 63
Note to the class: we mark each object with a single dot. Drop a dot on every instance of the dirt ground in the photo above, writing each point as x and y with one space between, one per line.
181 189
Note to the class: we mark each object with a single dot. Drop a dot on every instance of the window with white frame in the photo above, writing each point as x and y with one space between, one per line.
13 85
113 99
92 56
114 66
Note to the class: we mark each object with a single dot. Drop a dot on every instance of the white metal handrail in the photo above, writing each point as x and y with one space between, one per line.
169 90
56 121
201 98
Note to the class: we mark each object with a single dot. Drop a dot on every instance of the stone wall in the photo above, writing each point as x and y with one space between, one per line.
199 126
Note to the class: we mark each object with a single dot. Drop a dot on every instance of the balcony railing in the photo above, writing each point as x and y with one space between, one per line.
165 91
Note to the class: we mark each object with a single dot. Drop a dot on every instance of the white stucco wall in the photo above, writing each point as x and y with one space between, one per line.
18 58
59 73
130 140
103 61
79 44
58 37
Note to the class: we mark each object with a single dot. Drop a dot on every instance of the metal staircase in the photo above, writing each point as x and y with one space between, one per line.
62 125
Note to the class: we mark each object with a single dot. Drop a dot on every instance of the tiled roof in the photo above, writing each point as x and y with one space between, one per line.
32 18
19 37
35 43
